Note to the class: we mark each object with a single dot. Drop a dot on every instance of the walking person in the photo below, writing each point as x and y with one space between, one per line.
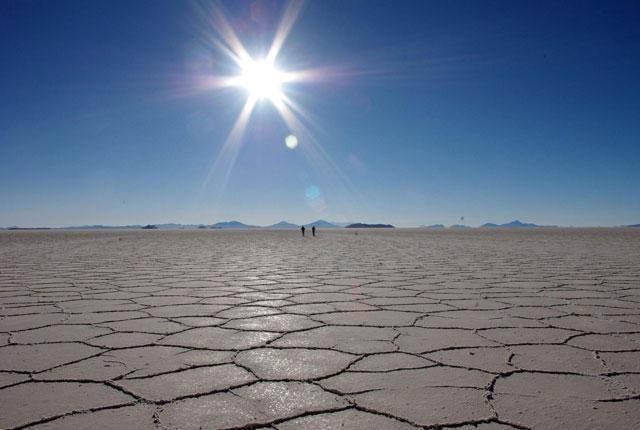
302 230
313 231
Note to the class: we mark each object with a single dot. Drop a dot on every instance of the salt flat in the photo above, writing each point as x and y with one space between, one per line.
394 329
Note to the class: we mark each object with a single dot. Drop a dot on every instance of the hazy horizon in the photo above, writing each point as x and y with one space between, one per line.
408 113
270 224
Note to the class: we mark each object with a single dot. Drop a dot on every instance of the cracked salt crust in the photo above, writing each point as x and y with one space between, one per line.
394 330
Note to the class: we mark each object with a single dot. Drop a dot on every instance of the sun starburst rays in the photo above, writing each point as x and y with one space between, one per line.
226 159
263 79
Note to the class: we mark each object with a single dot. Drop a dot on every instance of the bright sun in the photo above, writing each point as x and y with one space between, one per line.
261 79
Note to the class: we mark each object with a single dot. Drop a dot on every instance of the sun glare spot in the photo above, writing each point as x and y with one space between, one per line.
312 192
291 141
261 80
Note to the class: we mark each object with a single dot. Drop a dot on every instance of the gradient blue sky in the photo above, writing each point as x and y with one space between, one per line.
488 110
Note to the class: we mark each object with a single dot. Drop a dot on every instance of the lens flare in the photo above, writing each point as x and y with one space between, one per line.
291 141
312 192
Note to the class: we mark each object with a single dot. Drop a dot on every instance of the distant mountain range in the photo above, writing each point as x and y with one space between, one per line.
363 225
326 224
281 225
25 228
514 224
284 224
167 226
233 224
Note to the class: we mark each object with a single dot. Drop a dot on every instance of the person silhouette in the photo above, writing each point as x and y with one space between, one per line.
302 230
313 231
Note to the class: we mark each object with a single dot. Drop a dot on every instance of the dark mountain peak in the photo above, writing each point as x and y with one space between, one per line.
513 224
232 224
283 224
518 224
322 224
363 225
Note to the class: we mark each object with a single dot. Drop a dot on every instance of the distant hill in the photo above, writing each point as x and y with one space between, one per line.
518 224
233 224
175 226
28 228
340 223
283 225
362 225
323 224
102 227
458 226
514 224
634 225
433 226
166 226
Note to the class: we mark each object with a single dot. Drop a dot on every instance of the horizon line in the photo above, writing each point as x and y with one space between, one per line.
434 226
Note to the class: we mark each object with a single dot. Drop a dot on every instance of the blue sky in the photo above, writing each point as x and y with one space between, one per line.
490 111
